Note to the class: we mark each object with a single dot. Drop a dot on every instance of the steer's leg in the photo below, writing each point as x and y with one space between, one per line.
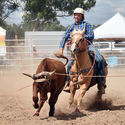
43 98
35 96
52 101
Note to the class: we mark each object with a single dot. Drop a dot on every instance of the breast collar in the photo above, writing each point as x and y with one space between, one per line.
82 71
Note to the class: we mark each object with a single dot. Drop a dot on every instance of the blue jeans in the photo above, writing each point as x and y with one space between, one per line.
99 60
70 63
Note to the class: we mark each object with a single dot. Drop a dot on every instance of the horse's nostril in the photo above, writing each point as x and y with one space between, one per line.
75 51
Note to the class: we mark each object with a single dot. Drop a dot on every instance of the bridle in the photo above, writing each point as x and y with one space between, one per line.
77 49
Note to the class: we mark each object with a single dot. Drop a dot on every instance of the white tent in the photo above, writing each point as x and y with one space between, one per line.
114 28
2 42
2 31
2 36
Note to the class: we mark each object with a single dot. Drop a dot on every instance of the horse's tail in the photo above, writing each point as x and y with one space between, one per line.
62 56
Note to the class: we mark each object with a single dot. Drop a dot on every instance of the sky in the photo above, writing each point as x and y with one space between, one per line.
103 10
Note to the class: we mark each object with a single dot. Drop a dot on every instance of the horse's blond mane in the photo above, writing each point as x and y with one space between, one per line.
77 31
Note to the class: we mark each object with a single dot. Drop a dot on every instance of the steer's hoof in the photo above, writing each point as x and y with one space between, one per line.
36 106
36 114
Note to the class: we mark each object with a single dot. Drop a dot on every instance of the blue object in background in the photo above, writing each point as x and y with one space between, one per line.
112 61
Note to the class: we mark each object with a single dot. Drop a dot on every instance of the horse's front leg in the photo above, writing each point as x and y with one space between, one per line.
72 93
82 91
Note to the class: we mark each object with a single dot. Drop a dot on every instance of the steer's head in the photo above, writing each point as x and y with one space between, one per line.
41 77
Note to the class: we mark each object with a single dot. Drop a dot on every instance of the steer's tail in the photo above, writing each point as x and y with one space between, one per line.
61 56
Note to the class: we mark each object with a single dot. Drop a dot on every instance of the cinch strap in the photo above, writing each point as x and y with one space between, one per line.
82 71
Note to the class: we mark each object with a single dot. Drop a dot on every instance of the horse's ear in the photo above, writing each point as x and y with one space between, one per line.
74 29
71 34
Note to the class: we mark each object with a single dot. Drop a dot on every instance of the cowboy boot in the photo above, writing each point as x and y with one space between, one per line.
66 88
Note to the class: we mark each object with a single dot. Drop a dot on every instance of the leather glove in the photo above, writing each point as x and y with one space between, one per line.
59 53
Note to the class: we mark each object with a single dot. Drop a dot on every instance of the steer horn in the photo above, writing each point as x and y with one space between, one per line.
36 77
28 75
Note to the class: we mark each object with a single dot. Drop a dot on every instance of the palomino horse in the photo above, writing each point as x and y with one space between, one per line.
82 69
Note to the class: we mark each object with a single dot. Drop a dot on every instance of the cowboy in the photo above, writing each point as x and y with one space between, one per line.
79 24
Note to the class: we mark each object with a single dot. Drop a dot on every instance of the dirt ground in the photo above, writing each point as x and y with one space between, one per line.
16 103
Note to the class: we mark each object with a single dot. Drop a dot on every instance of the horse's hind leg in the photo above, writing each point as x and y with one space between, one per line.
101 87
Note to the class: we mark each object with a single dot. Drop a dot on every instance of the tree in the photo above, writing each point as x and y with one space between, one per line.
6 8
17 28
47 11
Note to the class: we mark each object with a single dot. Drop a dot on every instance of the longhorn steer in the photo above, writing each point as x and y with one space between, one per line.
46 80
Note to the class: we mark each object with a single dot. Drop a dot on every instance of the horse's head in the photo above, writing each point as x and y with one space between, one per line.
79 43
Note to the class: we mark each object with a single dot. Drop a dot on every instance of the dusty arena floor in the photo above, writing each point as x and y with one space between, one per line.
16 103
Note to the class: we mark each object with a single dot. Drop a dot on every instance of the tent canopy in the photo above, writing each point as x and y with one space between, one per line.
113 29
2 36
2 31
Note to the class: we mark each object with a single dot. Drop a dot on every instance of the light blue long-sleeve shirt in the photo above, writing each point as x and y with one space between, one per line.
89 33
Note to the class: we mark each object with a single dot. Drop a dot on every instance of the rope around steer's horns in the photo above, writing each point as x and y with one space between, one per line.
38 77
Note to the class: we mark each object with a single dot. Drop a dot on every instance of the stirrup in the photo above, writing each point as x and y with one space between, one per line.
66 89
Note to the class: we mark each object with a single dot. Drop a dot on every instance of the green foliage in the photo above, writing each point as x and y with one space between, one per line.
45 11
6 8
53 27
95 26
18 29
40 14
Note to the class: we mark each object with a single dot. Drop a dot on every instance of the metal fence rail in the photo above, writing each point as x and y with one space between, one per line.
29 55
18 57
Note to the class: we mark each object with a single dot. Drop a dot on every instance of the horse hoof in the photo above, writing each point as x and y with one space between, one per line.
36 106
36 114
